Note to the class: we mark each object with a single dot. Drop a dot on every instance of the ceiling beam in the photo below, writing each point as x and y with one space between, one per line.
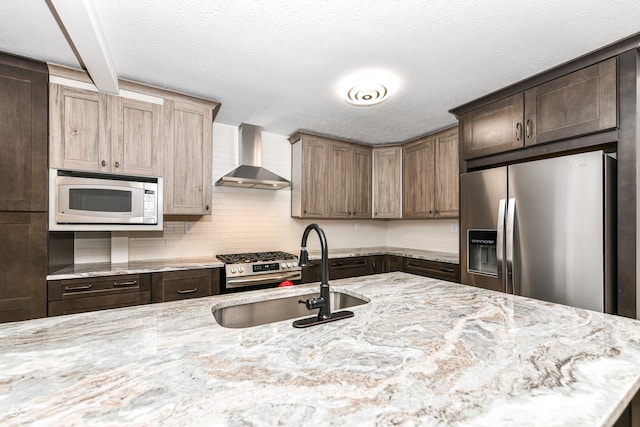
79 22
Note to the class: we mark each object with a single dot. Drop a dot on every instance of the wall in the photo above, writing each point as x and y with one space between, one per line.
246 220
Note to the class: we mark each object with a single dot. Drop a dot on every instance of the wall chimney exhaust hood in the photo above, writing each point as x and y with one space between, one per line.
250 173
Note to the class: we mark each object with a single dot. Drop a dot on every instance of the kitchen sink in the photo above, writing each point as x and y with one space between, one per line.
261 312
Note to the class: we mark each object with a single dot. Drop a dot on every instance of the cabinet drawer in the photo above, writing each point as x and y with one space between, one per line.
435 269
177 285
342 268
84 304
97 286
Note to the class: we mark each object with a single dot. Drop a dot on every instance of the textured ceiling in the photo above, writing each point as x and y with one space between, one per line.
277 63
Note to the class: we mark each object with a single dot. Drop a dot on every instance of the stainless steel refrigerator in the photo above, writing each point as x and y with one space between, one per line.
542 229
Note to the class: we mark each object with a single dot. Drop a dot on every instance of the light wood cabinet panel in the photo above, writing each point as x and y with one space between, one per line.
387 182
331 178
97 132
430 176
350 185
136 147
447 176
341 175
23 136
79 129
418 175
188 158
361 183
310 177
579 103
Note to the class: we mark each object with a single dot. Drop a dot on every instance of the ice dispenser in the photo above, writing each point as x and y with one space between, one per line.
482 252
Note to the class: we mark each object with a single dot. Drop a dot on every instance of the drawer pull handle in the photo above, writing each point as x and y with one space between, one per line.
77 288
447 270
125 284
187 291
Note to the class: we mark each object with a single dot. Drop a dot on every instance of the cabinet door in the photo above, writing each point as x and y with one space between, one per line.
188 158
494 128
315 173
579 103
341 179
79 122
177 285
387 189
136 147
23 266
23 139
361 183
418 176
447 176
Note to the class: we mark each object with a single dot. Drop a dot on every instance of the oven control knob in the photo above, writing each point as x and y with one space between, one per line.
240 269
233 270
289 265
283 265
295 263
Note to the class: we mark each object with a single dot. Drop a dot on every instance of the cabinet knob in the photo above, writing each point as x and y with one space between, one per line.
206 208
518 131
104 163
117 164
528 128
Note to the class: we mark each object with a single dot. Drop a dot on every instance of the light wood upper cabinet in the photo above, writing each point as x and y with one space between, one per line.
349 190
96 132
430 176
387 182
188 158
136 147
310 176
447 175
361 183
331 178
578 103
78 125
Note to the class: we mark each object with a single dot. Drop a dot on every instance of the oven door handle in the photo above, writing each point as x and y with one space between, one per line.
256 280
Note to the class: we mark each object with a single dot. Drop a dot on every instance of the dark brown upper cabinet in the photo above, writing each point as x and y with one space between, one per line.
23 135
576 104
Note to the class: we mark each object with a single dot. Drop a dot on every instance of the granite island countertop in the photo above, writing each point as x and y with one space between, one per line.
421 352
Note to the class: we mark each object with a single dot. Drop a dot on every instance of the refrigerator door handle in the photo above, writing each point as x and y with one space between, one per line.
509 247
500 242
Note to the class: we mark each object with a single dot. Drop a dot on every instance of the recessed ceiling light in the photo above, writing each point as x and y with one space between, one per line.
368 88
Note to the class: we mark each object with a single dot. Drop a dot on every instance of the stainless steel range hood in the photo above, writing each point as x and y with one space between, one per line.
250 173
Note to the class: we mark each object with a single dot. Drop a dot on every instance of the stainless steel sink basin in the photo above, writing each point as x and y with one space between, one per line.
275 310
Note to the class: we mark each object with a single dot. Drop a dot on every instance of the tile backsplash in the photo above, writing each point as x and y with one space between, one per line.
245 220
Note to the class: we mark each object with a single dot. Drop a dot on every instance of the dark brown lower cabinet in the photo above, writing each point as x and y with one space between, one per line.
98 293
392 263
434 269
23 265
184 284
342 268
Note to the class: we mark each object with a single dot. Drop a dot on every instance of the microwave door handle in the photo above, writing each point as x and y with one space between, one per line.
500 243
510 247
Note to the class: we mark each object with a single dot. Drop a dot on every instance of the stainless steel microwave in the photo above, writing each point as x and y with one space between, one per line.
85 201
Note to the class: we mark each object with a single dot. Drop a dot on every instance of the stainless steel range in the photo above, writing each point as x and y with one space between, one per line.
248 271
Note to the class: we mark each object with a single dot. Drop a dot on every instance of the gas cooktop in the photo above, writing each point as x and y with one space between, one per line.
250 257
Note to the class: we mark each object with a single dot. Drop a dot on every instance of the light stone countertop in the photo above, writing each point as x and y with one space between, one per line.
421 352
78 271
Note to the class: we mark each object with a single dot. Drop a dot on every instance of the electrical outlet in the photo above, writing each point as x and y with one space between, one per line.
357 226
188 227
454 228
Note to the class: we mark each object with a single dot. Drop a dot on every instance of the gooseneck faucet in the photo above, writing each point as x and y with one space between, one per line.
323 302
